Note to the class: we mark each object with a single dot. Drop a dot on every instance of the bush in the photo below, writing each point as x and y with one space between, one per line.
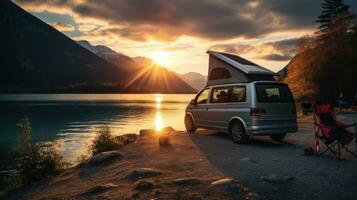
105 141
36 161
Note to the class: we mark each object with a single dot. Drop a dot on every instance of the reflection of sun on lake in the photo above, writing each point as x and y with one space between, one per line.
158 121
158 118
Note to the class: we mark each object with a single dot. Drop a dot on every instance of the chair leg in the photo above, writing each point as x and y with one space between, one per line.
339 150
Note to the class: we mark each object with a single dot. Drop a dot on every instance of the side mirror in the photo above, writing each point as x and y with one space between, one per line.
193 102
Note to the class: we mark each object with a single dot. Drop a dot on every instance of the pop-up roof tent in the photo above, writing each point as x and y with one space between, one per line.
228 68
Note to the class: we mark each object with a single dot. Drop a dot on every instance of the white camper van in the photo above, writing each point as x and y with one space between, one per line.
242 98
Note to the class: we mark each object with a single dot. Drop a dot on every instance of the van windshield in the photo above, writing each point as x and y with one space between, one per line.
273 93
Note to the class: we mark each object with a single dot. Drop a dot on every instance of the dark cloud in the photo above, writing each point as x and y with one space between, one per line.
210 19
282 50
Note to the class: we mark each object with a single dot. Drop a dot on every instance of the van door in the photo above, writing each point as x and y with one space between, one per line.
200 108
276 107
226 102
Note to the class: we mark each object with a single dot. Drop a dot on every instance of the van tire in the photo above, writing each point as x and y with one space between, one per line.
189 124
238 132
278 138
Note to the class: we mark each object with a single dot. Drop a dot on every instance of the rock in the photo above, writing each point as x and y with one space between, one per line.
146 132
105 157
168 129
143 173
144 186
187 181
273 178
227 184
127 138
164 140
247 159
101 188
253 195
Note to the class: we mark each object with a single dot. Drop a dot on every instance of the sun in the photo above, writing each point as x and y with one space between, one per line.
160 57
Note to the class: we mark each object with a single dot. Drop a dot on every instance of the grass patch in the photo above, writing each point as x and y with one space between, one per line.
105 141
33 161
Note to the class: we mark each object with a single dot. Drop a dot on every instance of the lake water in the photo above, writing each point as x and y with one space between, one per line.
72 119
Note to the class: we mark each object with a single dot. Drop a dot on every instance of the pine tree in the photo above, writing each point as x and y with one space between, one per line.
334 20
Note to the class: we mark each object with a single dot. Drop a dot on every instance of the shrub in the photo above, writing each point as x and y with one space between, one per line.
105 141
36 161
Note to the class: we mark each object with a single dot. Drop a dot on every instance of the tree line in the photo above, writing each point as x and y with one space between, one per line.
325 68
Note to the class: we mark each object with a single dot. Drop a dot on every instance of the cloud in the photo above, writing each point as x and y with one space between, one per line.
63 27
209 19
281 50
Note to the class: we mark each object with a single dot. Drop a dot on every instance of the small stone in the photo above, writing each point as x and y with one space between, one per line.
226 184
187 181
247 159
164 140
143 173
273 178
253 195
105 157
168 129
144 186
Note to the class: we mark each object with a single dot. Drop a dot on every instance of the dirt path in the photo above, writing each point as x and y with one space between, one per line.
280 170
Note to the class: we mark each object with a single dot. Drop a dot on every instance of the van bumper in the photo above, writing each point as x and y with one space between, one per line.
271 130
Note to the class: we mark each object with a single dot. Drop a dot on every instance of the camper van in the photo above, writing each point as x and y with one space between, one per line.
242 98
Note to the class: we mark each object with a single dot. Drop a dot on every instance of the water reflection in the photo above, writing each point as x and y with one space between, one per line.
72 120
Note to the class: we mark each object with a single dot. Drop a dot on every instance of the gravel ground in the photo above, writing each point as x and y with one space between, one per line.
280 170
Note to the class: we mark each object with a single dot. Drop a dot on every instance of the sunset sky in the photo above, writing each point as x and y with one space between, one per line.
177 33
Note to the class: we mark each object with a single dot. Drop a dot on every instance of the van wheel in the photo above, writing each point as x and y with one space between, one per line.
190 126
237 132
278 138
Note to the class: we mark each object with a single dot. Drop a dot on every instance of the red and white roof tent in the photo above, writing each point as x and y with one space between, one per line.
228 68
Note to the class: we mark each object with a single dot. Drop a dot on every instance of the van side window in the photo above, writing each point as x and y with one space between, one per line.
202 97
219 73
228 94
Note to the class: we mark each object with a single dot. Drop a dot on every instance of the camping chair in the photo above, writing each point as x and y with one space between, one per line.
334 134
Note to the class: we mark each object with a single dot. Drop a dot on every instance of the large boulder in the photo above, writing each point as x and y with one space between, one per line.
106 157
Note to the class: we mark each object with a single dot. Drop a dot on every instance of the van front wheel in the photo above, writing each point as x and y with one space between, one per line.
278 138
238 134
190 126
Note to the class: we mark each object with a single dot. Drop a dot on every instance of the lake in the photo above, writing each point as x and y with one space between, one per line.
72 119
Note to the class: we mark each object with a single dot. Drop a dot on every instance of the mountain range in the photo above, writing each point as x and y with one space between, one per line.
35 57
194 79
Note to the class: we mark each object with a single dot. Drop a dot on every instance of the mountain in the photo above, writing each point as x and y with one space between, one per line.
145 74
111 56
39 56
196 80
35 57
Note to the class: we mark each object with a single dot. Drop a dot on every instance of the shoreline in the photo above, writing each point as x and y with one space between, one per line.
141 170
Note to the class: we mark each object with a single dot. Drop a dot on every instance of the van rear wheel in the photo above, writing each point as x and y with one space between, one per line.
237 132
190 126
278 138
